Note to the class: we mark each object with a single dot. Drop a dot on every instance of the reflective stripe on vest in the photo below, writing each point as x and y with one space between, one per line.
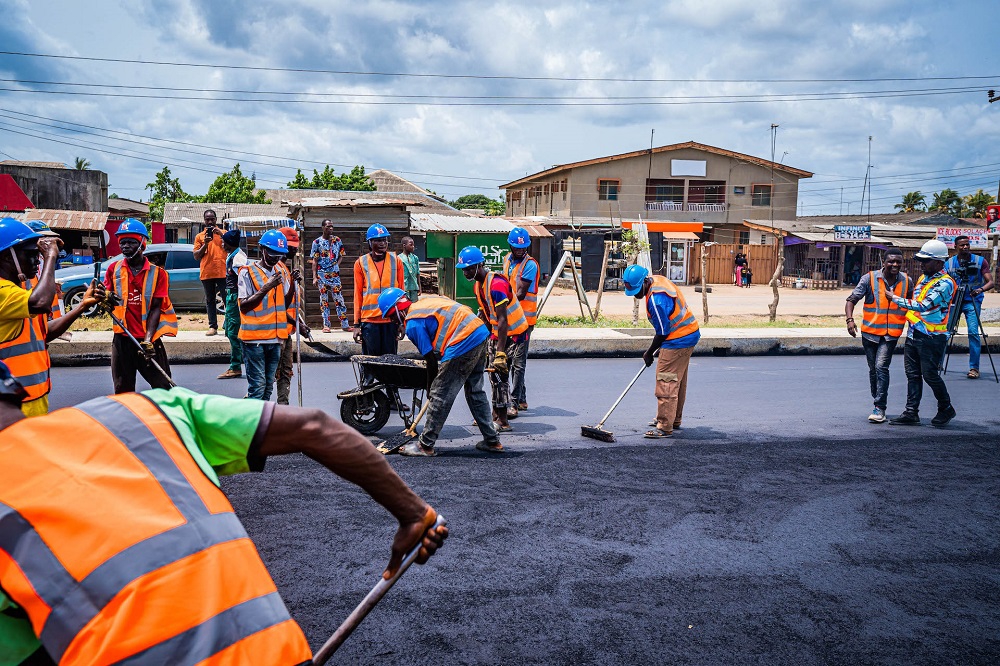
455 322
516 321
269 320
682 322
138 558
292 308
882 316
513 274
375 282
923 288
120 277
26 355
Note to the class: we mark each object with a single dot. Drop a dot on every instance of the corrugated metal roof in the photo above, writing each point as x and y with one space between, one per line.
353 200
536 230
184 214
80 220
456 224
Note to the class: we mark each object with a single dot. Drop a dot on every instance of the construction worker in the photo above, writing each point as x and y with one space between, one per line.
521 270
676 333
26 308
972 272
927 335
500 310
235 259
138 557
265 292
286 364
882 323
443 329
142 303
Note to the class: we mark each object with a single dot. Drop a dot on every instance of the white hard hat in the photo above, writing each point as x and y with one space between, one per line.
933 249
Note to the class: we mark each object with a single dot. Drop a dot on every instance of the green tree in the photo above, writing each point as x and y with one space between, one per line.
82 164
912 202
300 182
354 181
165 190
975 204
496 207
472 201
113 196
234 187
947 201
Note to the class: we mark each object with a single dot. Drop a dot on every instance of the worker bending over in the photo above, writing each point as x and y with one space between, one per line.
139 557
521 270
443 329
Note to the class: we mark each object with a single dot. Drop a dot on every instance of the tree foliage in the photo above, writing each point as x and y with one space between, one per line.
974 205
234 187
355 181
491 206
947 201
81 164
912 202
165 190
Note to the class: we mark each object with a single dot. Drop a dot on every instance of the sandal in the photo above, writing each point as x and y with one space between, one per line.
417 450
502 428
326 329
511 413
973 374
491 447
656 433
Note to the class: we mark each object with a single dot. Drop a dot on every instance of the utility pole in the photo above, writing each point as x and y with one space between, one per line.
779 267
869 180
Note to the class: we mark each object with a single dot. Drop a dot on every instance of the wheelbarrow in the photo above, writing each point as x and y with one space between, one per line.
366 408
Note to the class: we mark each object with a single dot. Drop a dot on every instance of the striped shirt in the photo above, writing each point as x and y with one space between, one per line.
933 307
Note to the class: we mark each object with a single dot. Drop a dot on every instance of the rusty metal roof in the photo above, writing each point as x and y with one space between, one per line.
80 220
184 214
353 200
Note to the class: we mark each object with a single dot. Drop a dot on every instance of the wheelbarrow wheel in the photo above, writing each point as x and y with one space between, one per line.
366 413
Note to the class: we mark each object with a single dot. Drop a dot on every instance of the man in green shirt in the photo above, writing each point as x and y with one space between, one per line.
411 270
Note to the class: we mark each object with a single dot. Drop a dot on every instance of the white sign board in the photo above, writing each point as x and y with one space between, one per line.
688 168
852 232
977 236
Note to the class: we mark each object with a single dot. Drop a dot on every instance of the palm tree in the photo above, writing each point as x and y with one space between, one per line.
912 202
82 164
946 201
975 204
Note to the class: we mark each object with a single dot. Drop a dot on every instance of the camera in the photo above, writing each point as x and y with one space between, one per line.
967 270
209 232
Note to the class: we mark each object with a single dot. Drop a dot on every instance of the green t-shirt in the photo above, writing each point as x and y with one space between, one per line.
218 433
411 271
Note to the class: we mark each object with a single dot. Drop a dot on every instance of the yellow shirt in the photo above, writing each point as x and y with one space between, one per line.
13 309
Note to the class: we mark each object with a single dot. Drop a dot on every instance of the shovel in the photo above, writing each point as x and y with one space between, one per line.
131 337
395 442
598 431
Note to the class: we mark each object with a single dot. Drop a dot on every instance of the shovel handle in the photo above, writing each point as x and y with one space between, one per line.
368 603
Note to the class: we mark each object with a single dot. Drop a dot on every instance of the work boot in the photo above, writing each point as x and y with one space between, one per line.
212 331
906 418
490 447
877 416
943 416
230 374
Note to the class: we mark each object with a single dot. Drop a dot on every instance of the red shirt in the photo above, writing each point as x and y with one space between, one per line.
133 309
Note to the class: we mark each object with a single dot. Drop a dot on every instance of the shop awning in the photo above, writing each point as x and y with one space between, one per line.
77 220
669 227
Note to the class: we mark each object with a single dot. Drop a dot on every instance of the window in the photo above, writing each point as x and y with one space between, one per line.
763 239
607 189
744 238
707 191
739 190
761 195
659 189
178 259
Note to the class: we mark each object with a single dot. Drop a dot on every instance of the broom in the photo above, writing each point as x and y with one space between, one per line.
598 431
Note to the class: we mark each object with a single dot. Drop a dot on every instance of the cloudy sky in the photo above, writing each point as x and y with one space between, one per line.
460 97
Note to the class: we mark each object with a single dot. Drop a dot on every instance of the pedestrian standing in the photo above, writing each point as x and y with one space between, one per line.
500 310
209 250
927 335
286 364
445 330
972 272
119 547
236 258
265 290
675 334
411 270
142 302
882 323
326 253
521 271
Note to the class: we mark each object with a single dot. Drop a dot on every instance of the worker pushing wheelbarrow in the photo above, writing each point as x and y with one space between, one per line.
366 408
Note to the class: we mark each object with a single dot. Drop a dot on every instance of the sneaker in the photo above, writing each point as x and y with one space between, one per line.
973 373
943 416
491 447
877 416
417 450
906 418
212 331
230 374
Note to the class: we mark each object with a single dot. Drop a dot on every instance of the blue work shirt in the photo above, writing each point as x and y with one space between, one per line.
421 332
658 309
933 307
529 273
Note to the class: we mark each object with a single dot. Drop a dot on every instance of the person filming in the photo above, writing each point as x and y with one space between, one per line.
974 278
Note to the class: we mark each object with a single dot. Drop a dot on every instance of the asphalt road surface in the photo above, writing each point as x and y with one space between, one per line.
778 527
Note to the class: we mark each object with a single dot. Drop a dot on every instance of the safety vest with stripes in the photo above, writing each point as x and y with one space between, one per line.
269 320
513 272
682 322
455 322
120 277
26 354
121 550
293 307
882 316
935 321
375 282
517 323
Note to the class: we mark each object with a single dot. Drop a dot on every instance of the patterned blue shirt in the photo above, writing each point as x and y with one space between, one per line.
933 307
326 253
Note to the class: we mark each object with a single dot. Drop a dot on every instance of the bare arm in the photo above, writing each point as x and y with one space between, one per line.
849 314
200 246
988 278
522 289
40 300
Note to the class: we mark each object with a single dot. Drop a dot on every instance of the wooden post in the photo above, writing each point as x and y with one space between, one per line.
604 273
704 292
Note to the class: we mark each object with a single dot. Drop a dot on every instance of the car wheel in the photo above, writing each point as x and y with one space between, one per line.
74 298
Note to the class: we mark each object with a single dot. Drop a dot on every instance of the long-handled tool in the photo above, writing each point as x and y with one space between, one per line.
368 603
152 361
395 442
598 431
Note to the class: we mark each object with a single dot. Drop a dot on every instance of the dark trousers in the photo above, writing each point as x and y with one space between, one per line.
378 339
879 357
500 380
517 357
126 360
921 357
233 331
462 372
213 287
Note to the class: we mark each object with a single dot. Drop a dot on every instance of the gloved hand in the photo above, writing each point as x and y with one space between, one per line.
147 349
500 362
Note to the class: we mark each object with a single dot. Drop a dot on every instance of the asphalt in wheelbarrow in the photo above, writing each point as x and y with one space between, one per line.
395 370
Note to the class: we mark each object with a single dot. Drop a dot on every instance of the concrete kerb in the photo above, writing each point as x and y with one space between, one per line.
94 348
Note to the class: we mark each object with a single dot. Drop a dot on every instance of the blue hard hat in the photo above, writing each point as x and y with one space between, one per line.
470 256
388 298
132 226
42 228
518 237
376 231
274 241
633 277
14 232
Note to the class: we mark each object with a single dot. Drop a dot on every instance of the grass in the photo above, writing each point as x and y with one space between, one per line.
185 321
725 321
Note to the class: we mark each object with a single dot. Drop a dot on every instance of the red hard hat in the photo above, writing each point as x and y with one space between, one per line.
292 235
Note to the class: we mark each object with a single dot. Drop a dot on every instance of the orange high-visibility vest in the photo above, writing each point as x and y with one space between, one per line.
269 320
682 322
516 321
882 316
27 356
121 550
513 275
291 308
375 282
924 285
455 321
120 277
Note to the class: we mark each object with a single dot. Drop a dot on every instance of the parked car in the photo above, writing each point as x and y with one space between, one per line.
186 292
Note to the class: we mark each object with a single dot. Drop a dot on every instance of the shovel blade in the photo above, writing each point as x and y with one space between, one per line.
395 442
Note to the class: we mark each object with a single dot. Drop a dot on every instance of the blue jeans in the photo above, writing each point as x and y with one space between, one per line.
262 364
971 312
879 357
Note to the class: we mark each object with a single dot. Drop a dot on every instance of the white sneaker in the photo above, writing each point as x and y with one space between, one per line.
877 416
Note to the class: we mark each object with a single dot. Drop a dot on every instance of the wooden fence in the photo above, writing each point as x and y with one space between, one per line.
719 264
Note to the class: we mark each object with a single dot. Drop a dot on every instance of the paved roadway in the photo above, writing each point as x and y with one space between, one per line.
779 527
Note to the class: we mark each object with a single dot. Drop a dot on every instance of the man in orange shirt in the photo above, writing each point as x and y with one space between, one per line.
208 249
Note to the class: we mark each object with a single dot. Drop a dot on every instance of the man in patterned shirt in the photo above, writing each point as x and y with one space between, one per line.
327 251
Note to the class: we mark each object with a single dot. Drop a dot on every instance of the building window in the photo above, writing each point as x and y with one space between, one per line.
763 239
607 189
739 189
707 191
744 238
761 195
660 189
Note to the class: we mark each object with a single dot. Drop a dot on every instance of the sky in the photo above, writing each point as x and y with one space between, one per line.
461 97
